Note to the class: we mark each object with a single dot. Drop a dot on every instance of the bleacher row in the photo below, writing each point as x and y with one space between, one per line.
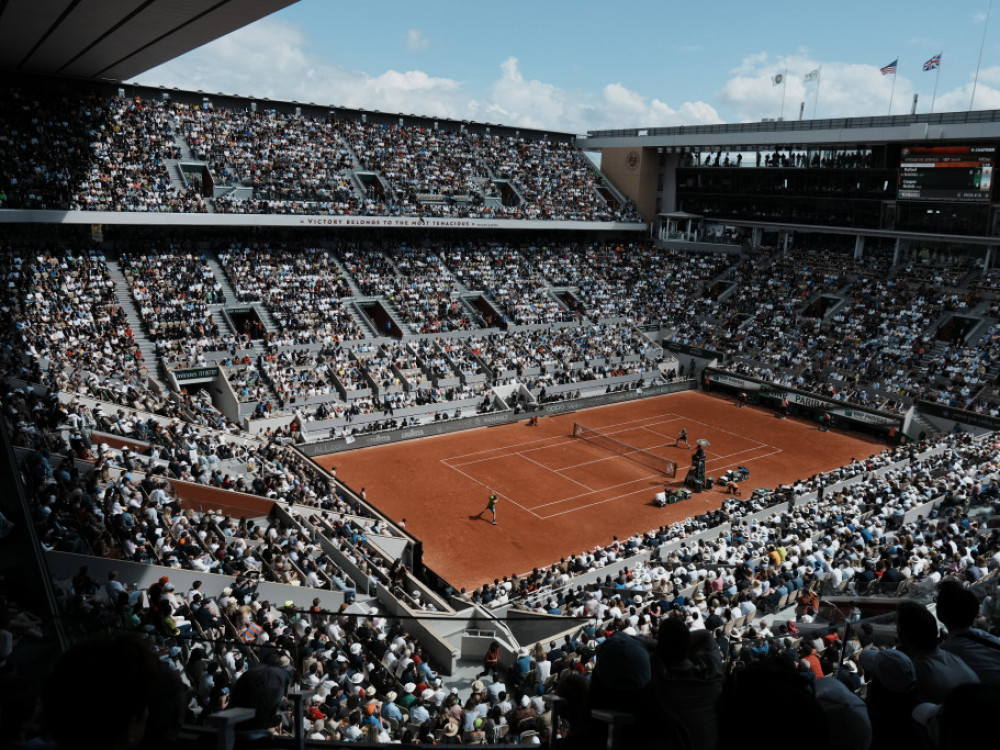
98 152
560 318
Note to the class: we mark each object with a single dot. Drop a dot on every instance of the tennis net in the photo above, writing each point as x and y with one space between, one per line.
647 459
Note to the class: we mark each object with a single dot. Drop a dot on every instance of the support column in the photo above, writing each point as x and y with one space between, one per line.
859 247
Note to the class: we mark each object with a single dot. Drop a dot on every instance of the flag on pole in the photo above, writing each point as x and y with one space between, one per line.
811 76
777 80
890 69
934 62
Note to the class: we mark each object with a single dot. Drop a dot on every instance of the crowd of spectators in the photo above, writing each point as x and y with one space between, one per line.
62 310
128 169
554 179
120 153
173 292
669 606
713 598
508 274
826 159
286 159
730 584
302 288
44 147
419 162
851 330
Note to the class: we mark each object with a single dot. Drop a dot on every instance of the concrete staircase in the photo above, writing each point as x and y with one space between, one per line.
182 145
360 320
348 276
213 263
232 300
177 181
979 331
396 317
919 423
124 298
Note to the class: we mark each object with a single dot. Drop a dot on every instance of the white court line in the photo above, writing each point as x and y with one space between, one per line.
555 471
775 452
569 441
734 434
506 447
498 494
591 505
609 487
736 453
628 494
565 440
507 454
561 440
647 428
609 457
653 419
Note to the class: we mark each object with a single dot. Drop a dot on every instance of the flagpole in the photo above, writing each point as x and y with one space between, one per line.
936 79
980 61
784 85
892 91
819 79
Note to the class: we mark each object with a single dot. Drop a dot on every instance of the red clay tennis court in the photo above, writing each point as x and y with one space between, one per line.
561 494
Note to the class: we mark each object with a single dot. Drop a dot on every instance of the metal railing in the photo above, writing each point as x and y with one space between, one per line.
840 123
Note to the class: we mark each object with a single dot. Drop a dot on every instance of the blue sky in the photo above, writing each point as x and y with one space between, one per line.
585 65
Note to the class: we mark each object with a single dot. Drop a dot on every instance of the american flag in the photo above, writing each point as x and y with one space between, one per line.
890 69
934 62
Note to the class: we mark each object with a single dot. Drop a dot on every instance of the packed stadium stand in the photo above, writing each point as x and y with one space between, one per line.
167 383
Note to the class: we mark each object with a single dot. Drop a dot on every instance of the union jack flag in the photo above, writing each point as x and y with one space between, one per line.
934 62
890 69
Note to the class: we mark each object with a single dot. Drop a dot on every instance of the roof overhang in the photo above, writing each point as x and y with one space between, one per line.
850 132
115 39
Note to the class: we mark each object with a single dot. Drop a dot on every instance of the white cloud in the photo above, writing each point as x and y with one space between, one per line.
987 97
845 89
536 104
266 59
415 40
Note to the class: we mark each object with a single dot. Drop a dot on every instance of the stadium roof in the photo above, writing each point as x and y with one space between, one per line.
847 132
116 39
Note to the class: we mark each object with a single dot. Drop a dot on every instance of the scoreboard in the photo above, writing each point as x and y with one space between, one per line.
960 173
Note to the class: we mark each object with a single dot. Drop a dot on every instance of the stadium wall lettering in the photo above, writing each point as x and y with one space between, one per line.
959 415
772 394
116 218
200 373
694 351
